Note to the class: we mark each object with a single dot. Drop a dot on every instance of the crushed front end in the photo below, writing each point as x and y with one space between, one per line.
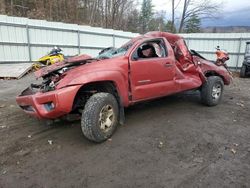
47 100
47 105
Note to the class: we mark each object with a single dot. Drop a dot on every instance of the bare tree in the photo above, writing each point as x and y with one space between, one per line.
203 8
103 13
173 11
2 7
172 22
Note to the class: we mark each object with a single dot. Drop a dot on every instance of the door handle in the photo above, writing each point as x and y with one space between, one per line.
168 65
144 81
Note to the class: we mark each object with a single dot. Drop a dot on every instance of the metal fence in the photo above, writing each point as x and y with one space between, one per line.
233 43
25 40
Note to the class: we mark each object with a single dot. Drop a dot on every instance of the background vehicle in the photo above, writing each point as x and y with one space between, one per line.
147 67
52 57
245 69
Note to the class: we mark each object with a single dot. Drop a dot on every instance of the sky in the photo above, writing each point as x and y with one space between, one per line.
233 12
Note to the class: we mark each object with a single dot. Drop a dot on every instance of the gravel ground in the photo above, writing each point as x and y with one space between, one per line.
170 142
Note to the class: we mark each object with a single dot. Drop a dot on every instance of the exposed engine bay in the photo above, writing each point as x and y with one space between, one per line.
52 74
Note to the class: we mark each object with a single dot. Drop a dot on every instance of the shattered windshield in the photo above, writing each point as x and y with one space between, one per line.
114 52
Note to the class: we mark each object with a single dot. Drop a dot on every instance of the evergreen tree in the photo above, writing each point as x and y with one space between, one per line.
146 15
169 27
133 23
193 24
158 22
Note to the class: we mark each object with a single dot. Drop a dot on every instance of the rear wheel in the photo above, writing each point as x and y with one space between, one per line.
212 90
243 71
100 117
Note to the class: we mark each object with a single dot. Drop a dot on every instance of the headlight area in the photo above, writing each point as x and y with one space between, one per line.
49 106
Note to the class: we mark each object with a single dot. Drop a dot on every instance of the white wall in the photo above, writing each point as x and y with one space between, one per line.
23 39
205 43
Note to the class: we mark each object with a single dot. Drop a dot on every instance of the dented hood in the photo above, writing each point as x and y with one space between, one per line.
73 61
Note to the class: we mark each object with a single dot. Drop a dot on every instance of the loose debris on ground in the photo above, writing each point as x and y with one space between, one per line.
170 142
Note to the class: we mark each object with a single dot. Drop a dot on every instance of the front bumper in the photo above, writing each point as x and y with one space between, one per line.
49 105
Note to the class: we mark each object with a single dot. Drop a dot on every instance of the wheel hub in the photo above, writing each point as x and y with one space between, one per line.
106 118
216 91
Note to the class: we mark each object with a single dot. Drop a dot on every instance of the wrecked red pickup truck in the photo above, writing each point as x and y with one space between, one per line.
150 66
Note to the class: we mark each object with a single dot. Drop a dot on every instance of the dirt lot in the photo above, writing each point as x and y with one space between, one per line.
170 142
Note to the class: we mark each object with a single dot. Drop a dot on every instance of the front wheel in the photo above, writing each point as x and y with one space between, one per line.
211 91
100 117
243 71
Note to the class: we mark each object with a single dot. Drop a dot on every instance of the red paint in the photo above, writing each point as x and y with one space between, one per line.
149 78
62 99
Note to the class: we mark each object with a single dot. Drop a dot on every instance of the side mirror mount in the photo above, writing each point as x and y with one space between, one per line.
135 56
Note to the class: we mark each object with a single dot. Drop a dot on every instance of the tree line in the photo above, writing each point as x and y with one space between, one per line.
127 15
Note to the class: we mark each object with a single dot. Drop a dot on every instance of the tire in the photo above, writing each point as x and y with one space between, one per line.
100 117
212 90
243 71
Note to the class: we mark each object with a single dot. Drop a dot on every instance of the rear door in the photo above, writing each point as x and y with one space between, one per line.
152 76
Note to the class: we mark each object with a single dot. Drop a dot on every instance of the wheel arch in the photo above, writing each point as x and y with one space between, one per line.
91 88
214 73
